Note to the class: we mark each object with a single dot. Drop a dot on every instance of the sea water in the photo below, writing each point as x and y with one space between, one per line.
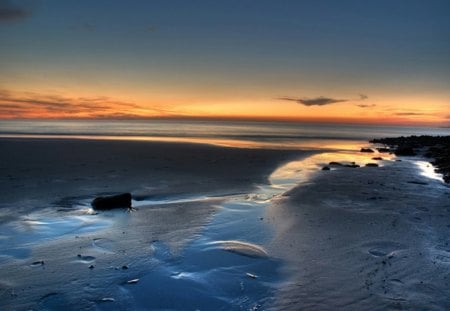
256 134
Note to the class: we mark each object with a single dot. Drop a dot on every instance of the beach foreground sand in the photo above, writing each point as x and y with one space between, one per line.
219 228
372 238
56 251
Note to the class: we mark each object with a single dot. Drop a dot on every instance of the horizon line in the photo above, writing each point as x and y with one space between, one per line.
371 121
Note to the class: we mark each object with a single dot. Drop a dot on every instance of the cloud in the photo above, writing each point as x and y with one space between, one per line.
363 97
366 106
8 12
32 105
322 100
411 114
318 101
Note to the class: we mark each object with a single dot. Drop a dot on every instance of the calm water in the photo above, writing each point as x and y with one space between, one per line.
229 133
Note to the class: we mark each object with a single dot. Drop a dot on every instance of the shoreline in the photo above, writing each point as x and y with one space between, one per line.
435 147
364 238
58 171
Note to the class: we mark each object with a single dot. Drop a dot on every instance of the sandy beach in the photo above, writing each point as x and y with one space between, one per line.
39 172
219 228
372 238
57 251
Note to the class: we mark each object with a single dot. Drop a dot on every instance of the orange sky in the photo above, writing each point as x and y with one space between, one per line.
340 62
69 105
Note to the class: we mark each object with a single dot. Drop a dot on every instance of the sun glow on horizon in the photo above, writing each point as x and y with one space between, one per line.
292 62
32 105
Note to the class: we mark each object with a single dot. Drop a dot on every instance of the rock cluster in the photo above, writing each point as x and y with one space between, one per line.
436 147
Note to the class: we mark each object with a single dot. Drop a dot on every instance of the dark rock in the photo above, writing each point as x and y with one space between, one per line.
377 158
325 168
114 201
384 150
372 165
335 163
436 147
404 151
367 150
352 165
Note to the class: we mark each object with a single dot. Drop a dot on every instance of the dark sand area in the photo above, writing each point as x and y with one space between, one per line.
38 172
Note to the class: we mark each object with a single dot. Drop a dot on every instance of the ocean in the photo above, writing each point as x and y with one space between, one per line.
252 134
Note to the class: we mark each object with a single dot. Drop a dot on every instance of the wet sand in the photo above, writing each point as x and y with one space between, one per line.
370 238
183 238
38 172
220 228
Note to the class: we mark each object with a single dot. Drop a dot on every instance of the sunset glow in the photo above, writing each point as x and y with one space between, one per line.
337 63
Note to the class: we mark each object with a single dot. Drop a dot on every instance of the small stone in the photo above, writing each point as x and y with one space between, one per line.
114 201
352 165
384 150
372 165
368 150
335 163
91 267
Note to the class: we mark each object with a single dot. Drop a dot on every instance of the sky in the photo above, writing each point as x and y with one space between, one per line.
384 61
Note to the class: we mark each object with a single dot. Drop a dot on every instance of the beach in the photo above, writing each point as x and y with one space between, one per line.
220 228
57 251
372 238
49 170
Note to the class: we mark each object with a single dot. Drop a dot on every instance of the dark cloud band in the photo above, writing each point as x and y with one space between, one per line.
321 100
318 101
8 12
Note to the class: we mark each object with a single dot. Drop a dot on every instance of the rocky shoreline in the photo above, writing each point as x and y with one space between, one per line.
435 147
